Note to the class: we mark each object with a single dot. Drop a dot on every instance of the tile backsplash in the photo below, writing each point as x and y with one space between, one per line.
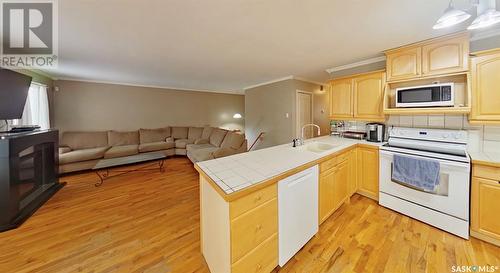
481 137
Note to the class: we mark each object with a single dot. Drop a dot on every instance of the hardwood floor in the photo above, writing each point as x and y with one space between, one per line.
149 222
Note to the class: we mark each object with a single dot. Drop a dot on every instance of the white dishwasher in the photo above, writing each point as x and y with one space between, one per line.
297 212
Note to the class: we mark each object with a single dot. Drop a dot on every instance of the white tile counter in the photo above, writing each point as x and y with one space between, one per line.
237 172
490 157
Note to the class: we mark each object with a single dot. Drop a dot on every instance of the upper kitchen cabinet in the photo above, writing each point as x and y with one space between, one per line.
404 64
368 96
446 56
485 70
440 56
358 97
341 99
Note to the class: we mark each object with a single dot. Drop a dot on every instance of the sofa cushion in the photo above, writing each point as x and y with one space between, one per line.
180 132
155 146
233 140
217 136
84 140
82 155
181 143
153 135
207 131
119 151
123 138
192 147
64 149
203 154
195 133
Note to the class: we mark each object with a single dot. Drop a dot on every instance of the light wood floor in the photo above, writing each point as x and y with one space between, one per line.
150 223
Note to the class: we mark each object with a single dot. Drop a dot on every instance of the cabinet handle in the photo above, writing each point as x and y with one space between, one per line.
259 267
258 228
258 198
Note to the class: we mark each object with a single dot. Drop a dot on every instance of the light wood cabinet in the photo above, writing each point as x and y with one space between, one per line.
368 96
368 172
440 56
326 192
485 201
341 184
358 97
341 99
353 175
485 70
447 56
262 259
404 64
335 183
252 228
239 235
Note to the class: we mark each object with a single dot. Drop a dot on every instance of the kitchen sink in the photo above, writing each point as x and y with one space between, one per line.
319 147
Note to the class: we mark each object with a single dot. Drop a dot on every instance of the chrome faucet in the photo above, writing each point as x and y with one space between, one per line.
300 141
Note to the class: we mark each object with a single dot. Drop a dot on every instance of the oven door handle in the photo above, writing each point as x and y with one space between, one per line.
441 161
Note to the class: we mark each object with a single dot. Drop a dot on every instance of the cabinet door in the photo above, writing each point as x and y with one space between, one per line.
341 99
404 64
447 56
369 96
341 184
486 88
368 165
353 181
485 201
326 191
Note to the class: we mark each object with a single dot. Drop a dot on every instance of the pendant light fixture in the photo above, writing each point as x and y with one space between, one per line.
452 16
488 18
488 15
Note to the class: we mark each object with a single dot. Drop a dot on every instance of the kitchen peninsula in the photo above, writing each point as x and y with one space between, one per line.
239 196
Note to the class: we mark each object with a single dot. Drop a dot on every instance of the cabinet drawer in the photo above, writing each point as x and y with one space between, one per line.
262 259
486 172
327 165
341 158
252 200
252 228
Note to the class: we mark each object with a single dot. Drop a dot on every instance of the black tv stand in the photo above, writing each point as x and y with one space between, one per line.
29 174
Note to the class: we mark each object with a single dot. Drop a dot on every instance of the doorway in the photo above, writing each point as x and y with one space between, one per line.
304 110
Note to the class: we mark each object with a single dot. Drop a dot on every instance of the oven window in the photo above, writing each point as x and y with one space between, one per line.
418 95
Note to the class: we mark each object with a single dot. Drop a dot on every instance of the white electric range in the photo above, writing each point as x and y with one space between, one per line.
447 206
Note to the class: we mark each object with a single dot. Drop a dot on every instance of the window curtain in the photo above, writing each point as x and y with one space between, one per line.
36 110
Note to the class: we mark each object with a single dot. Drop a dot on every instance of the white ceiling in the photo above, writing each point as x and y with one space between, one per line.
227 45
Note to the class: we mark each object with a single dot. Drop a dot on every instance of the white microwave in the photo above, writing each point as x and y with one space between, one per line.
433 95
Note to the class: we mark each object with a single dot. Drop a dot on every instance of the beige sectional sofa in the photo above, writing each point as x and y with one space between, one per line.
82 150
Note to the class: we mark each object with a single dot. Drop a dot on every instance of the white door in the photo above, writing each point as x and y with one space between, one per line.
304 113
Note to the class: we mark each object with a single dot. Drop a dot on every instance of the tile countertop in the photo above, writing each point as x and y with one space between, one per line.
485 158
240 171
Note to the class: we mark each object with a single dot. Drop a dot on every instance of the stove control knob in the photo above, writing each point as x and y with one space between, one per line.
446 135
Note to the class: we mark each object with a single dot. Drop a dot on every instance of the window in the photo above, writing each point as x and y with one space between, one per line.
36 110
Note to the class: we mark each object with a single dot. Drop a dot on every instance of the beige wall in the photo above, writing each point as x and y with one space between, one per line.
97 106
266 108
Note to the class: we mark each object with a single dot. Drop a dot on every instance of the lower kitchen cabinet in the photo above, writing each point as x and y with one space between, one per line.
341 184
326 192
368 171
353 171
239 235
485 201
334 184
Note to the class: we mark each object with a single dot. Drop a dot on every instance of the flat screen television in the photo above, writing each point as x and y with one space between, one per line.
14 88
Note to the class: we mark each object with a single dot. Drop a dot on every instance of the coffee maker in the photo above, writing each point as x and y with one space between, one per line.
375 132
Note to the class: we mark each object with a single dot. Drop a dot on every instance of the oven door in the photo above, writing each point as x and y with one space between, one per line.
450 197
